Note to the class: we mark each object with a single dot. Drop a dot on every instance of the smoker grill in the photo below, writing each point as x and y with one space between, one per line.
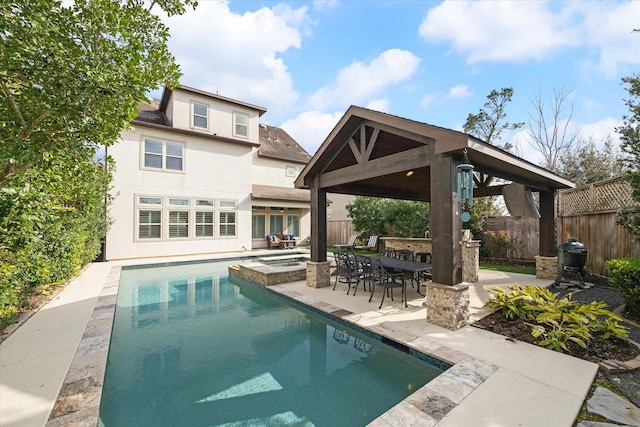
572 256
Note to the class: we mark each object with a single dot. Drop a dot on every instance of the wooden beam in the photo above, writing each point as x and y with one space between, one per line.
318 222
547 243
394 163
445 227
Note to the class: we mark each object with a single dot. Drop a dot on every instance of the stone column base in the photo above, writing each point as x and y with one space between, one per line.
318 274
546 267
448 305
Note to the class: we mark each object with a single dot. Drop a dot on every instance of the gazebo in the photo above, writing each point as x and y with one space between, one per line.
370 153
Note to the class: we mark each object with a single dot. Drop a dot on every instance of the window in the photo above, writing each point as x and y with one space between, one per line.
291 171
258 227
149 224
241 124
200 116
293 225
173 218
178 224
163 155
227 204
204 224
276 224
227 224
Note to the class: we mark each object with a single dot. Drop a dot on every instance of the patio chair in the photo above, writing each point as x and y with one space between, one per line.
372 244
388 280
273 242
349 245
346 271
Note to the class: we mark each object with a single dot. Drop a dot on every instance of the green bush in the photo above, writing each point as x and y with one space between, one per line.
624 275
495 244
556 321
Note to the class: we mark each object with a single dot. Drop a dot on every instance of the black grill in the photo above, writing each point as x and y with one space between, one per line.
572 256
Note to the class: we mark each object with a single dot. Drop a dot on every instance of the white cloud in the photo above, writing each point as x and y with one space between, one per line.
608 27
601 130
378 105
311 128
428 99
516 31
237 55
324 4
360 82
459 92
498 30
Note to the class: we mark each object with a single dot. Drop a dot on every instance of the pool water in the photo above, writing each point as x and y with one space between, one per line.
190 348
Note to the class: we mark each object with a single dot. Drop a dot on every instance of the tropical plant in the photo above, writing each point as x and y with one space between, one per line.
556 321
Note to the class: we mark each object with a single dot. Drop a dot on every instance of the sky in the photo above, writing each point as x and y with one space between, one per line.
306 62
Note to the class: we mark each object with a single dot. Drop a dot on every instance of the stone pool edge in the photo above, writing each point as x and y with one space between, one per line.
78 402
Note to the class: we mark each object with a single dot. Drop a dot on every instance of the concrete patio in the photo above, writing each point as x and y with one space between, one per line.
493 381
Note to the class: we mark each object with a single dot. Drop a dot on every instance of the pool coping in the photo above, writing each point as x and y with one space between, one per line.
78 401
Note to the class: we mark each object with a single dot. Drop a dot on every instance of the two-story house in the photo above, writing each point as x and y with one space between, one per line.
197 173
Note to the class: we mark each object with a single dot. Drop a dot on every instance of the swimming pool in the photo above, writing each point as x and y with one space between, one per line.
189 347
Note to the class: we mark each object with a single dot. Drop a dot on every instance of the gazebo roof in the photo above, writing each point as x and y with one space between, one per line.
371 153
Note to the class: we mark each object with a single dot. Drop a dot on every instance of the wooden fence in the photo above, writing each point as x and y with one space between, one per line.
339 231
522 232
589 214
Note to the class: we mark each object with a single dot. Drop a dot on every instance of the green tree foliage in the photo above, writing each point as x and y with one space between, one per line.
490 123
630 144
71 77
588 164
378 216
51 221
72 74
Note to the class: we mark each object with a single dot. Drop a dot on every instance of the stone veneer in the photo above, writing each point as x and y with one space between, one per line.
470 260
318 274
546 267
268 275
78 402
448 305
414 244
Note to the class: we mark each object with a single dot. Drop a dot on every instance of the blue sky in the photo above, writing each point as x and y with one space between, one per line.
434 62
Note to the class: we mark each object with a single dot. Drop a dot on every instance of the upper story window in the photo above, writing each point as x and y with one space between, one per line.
163 155
240 124
291 171
200 116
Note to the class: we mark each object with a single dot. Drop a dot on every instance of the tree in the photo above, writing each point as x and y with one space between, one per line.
630 144
71 76
549 130
379 216
588 164
489 124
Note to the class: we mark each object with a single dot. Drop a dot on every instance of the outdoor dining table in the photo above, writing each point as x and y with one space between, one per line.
406 266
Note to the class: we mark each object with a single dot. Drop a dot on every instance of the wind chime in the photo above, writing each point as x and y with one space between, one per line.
465 186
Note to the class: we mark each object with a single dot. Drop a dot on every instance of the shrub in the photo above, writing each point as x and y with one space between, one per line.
556 321
495 244
624 275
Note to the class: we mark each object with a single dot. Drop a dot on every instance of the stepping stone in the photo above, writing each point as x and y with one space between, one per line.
613 407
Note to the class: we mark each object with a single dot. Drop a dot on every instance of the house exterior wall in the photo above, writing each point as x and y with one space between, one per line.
220 116
279 173
212 171
216 171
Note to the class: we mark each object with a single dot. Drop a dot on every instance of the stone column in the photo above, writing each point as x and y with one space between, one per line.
318 274
448 305
470 258
546 267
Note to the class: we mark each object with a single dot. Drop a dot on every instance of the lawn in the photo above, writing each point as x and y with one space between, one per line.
508 268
